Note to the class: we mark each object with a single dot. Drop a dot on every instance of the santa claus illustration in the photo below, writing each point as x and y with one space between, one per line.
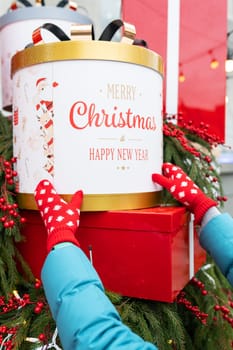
45 114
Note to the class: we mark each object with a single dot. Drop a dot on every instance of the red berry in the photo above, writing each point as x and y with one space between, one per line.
225 310
217 307
38 284
40 304
10 182
6 163
23 220
37 310
42 337
204 292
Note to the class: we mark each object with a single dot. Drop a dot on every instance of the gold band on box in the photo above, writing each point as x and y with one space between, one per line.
101 202
91 50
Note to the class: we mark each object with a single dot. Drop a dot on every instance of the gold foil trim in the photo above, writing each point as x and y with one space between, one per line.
129 33
81 32
102 202
38 3
86 50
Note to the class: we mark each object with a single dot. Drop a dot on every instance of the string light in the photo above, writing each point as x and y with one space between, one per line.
214 63
181 75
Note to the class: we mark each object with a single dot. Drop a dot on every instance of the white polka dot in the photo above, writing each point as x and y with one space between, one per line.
60 218
70 224
173 188
181 194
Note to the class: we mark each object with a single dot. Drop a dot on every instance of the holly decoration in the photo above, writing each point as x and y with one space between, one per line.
202 312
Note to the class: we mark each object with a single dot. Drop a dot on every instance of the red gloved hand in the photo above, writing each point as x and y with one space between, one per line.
61 219
184 190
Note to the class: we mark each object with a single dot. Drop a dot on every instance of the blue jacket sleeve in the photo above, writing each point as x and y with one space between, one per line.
216 238
85 317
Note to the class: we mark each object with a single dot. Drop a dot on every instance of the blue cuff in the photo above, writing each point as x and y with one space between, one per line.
216 238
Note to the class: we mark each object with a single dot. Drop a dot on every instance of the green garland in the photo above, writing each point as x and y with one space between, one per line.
197 319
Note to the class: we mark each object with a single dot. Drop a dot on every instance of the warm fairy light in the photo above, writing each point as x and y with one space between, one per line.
214 63
181 77
181 73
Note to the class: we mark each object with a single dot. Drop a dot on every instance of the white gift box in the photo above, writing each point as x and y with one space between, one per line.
88 115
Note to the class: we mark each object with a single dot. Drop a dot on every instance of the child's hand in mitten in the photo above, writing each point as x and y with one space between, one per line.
61 219
184 190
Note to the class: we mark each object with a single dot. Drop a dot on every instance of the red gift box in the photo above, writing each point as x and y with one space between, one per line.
141 253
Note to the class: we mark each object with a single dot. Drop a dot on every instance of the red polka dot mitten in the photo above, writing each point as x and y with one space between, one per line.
184 190
61 219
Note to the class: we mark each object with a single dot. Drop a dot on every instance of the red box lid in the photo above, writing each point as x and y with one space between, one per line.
163 219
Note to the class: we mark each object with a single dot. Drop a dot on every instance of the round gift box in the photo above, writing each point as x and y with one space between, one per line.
88 115
16 28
